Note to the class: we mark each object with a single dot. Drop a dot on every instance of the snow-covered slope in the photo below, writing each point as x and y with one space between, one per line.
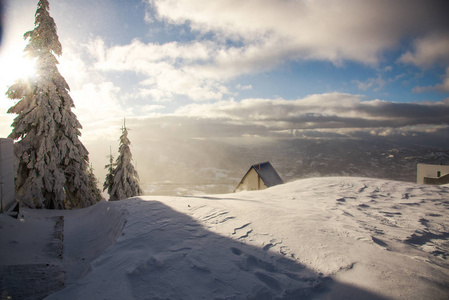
323 238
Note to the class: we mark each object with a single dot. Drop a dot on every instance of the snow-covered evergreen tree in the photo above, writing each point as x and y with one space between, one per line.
126 179
93 184
109 181
51 160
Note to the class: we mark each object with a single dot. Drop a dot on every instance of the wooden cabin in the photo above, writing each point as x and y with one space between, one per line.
259 177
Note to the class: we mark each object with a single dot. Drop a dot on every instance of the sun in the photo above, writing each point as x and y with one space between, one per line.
25 67
16 65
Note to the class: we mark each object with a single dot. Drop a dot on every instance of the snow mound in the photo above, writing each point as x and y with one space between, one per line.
47 249
88 232
323 238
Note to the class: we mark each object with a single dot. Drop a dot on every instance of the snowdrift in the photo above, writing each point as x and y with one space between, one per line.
323 238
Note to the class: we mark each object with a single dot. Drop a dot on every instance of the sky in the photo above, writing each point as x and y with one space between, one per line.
242 69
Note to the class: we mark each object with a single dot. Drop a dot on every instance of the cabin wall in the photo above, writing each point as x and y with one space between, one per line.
437 181
251 182
430 171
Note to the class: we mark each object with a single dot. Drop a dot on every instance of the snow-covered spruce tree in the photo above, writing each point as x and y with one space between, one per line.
109 180
93 184
126 180
51 160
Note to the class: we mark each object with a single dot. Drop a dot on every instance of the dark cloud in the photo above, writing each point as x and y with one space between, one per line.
334 110
405 114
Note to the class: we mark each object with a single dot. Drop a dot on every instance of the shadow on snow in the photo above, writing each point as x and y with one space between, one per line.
164 254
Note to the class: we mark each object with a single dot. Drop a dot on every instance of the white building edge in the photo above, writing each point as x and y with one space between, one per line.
7 189
432 174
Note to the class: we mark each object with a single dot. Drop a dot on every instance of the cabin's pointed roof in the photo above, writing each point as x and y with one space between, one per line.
267 173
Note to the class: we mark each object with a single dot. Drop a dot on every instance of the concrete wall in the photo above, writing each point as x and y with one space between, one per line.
7 190
251 182
430 171
437 181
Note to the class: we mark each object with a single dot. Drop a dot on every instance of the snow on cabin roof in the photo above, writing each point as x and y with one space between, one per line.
268 174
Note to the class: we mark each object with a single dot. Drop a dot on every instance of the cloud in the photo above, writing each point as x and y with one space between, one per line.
428 51
98 101
156 95
231 39
376 83
139 56
331 110
167 69
151 108
197 69
320 115
318 30
244 87
442 87
234 39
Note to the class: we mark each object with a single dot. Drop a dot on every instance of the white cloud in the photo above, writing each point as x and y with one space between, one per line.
150 108
155 95
139 56
265 34
96 48
148 18
442 87
244 87
268 33
198 70
376 83
98 102
322 30
428 51
168 69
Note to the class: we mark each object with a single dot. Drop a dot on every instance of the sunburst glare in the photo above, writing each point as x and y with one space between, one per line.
19 66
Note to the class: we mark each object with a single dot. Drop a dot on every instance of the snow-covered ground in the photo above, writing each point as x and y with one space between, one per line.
322 238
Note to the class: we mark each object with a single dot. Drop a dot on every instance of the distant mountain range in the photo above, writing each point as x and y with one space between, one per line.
357 158
205 166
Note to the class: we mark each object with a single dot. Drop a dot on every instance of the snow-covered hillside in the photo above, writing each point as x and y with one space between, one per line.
322 238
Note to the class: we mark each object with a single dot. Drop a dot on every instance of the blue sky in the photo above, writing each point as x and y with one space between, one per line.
290 65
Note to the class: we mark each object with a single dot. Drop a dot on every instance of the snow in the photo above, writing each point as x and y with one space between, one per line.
320 238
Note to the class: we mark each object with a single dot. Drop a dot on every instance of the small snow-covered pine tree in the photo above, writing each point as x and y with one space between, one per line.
126 179
93 184
109 181
51 160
